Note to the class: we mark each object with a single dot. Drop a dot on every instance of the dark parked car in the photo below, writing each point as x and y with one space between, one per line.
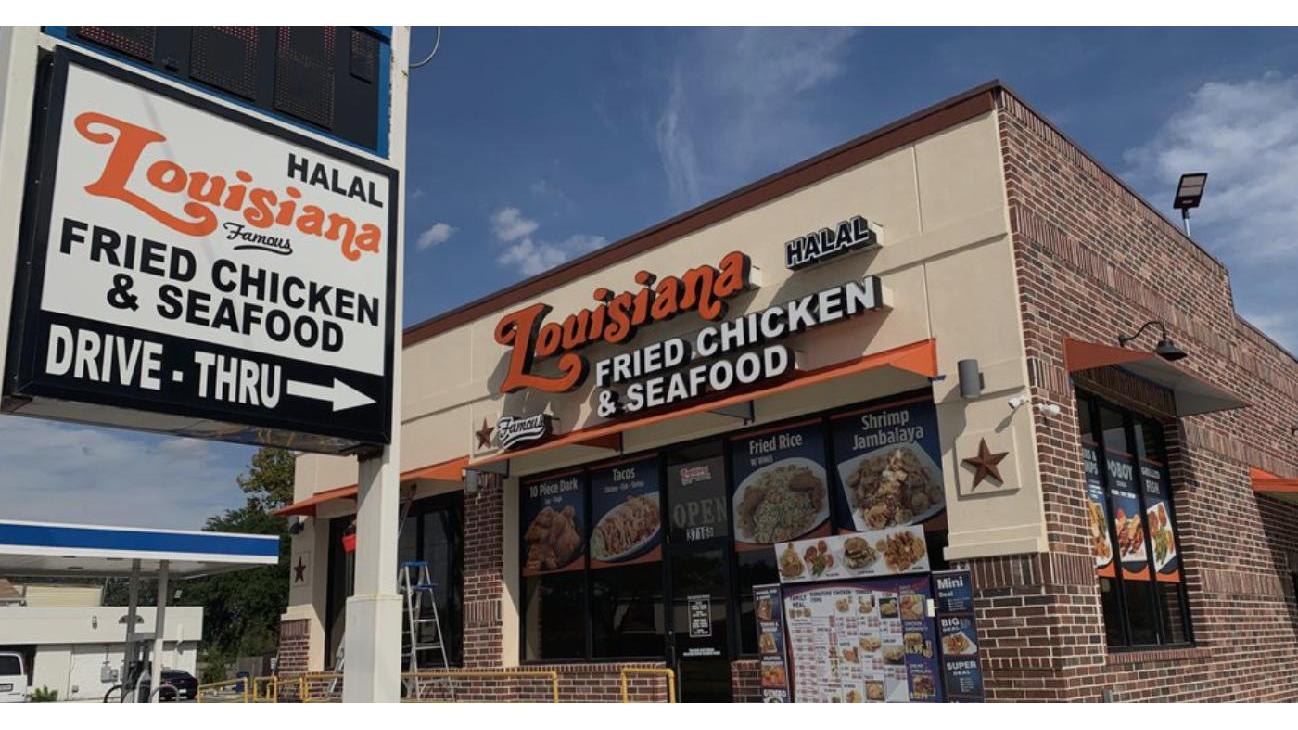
186 686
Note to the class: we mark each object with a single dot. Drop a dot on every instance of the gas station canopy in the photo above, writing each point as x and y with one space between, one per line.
59 550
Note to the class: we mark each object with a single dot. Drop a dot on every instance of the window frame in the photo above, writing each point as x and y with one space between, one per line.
1095 405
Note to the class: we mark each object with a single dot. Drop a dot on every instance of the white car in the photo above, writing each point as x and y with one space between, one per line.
13 680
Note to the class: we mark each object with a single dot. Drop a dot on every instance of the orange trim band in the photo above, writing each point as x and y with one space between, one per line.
1080 355
917 357
1264 482
451 470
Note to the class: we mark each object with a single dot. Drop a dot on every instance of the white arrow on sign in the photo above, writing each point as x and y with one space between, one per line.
340 394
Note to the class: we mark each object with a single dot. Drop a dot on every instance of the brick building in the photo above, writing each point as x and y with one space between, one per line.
603 460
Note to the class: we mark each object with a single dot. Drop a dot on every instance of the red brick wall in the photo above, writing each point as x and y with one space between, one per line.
294 647
1093 261
484 577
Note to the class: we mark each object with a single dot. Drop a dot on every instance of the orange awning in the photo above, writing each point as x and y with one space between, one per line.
306 508
1194 396
447 471
1264 482
919 358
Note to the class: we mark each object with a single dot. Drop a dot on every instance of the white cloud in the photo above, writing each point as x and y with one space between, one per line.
58 472
676 148
1244 134
529 255
508 224
738 106
434 235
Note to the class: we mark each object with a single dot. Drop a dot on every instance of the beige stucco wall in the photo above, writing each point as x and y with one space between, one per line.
939 207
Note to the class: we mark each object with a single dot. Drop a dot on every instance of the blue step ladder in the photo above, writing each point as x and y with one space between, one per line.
423 645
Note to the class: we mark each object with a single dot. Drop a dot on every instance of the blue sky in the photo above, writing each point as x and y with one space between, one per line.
530 147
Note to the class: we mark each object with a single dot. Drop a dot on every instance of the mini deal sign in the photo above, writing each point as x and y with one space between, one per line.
189 261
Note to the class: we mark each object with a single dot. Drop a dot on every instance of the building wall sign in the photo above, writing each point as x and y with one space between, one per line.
615 319
513 432
853 234
191 261
721 357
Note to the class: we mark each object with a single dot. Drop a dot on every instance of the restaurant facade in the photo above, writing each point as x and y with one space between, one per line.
859 431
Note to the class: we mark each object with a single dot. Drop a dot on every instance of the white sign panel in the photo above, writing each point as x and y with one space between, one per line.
189 260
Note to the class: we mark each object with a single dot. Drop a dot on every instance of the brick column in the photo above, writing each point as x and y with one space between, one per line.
294 647
483 577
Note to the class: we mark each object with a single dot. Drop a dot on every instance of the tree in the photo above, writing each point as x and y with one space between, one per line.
241 609
269 480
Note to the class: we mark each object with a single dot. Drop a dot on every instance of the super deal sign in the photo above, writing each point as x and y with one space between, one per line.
229 278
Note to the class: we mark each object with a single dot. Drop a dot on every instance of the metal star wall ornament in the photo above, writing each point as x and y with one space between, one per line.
484 435
299 571
985 464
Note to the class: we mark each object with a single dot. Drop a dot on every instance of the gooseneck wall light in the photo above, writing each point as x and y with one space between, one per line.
1165 348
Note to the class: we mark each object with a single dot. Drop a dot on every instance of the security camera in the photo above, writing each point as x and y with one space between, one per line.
1017 401
1049 409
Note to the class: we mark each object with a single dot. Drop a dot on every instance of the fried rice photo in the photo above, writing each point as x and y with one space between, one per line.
781 504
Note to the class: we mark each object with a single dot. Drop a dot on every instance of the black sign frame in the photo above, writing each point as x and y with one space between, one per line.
296 423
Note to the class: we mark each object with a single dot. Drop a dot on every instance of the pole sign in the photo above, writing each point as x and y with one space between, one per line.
191 269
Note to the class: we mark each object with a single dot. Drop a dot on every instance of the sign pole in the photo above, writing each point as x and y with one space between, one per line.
159 628
17 85
372 672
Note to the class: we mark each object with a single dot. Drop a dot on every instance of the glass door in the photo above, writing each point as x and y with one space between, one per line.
699 572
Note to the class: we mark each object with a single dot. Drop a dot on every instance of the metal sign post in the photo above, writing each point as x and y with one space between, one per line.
211 259
373 639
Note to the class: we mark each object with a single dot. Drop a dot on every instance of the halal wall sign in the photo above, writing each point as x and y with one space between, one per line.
210 273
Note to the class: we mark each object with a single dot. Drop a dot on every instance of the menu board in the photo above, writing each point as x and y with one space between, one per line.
888 469
854 555
625 503
962 676
1127 523
782 490
770 642
553 517
1097 512
1167 560
698 500
861 641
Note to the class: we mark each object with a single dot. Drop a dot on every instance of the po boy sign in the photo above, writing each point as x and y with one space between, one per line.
198 271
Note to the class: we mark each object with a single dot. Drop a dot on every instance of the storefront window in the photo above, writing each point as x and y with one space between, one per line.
626 570
432 532
553 560
1132 533
606 549
342 569
438 525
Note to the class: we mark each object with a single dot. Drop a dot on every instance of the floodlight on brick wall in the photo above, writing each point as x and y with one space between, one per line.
1189 193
